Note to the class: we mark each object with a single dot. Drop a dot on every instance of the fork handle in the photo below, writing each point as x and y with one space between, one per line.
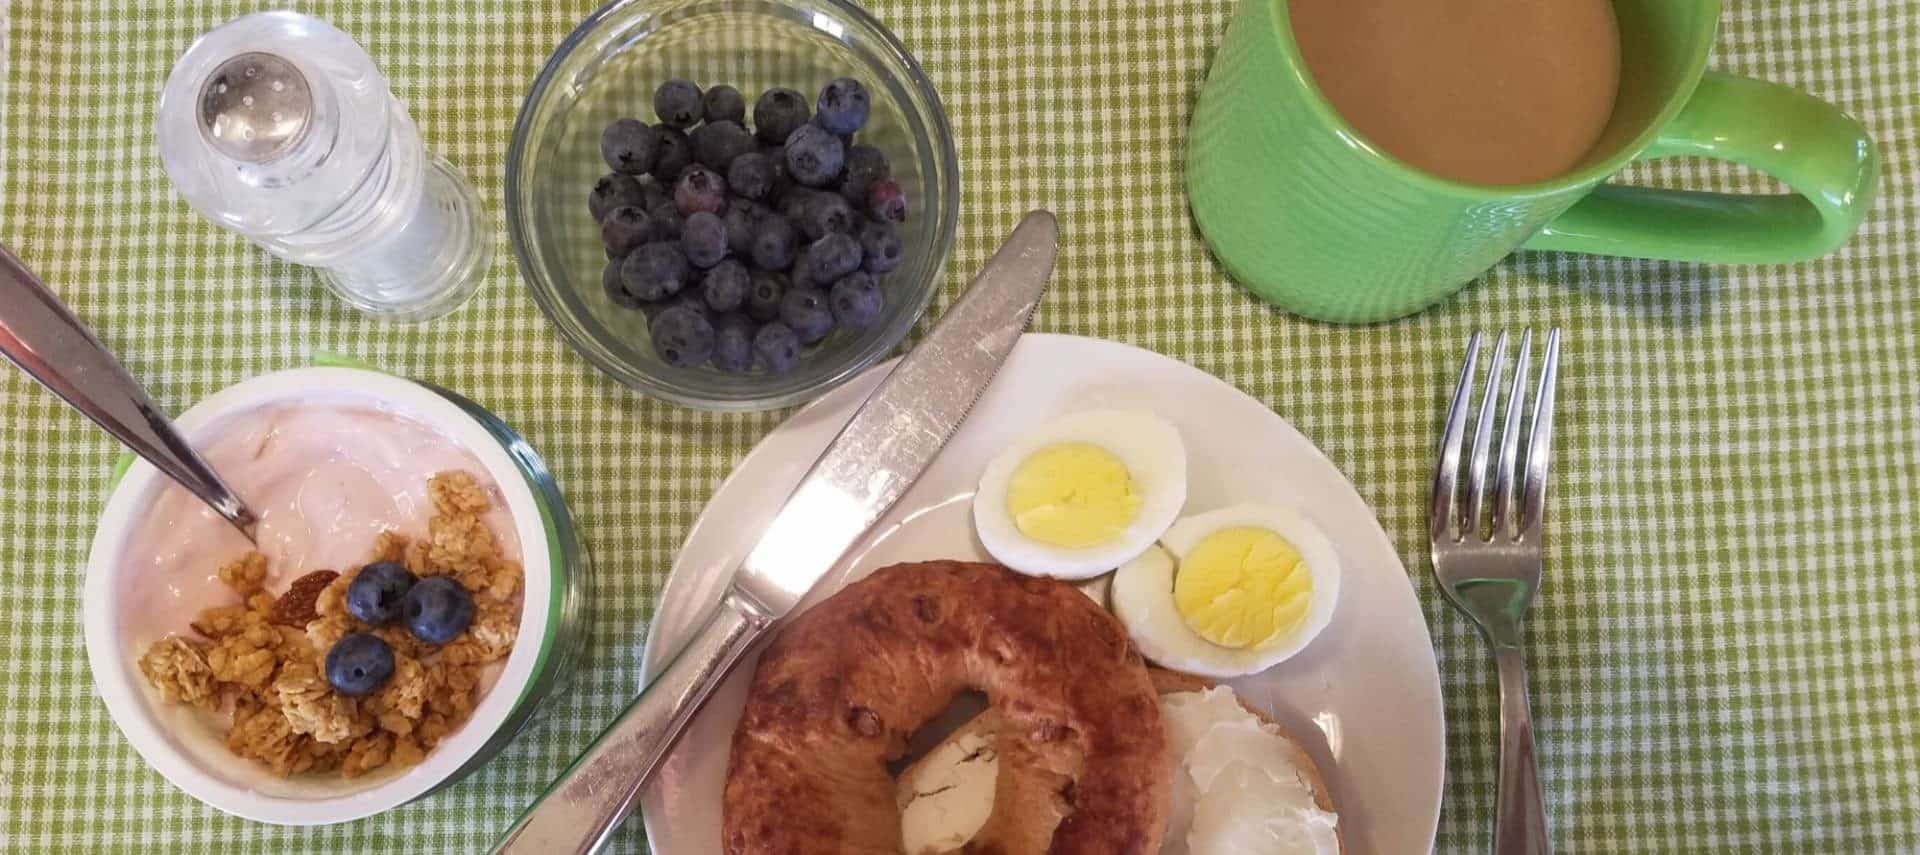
1520 819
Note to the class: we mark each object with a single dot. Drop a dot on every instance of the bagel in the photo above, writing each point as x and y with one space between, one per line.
1083 765
982 729
1170 682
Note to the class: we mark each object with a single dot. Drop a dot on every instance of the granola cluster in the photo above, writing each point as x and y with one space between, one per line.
260 660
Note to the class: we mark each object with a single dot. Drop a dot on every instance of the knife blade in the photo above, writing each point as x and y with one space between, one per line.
883 449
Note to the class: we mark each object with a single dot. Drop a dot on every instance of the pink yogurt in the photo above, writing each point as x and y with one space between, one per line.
325 480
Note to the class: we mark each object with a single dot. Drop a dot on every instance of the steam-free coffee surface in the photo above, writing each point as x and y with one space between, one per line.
1481 91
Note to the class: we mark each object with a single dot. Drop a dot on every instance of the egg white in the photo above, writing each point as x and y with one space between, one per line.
1147 445
1142 594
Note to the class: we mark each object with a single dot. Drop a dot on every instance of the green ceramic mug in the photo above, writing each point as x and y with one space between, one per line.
1305 213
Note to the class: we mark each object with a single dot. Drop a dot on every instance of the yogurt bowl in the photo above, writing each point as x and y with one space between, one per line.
151 565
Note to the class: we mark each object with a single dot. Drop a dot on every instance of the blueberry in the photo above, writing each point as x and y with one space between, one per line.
880 248
725 287
773 243
682 336
825 214
805 310
865 165
716 144
800 275
655 194
886 201
674 153
438 610
359 663
655 271
777 114
843 106
733 344
693 301
700 189
704 239
778 347
832 256
664 221
614 190
777 156
814 156
740 219
763 300
724 103
375 593
629 146
750 175
624 229
793 205
677 103
856 300
616 289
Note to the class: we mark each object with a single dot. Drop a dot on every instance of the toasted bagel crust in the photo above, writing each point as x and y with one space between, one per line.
1083 767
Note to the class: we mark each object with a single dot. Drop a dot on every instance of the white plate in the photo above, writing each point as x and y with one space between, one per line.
1365 695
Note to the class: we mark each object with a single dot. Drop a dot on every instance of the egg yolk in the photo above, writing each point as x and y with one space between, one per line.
1072 495
1243 587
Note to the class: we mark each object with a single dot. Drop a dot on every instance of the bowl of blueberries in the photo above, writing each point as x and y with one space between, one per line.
732 204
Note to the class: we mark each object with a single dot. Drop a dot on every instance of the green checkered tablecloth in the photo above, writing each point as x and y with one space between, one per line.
1725 655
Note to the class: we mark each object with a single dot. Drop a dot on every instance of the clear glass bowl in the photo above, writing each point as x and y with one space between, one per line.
608 68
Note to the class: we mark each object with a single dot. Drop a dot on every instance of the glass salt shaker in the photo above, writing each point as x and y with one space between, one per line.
278 127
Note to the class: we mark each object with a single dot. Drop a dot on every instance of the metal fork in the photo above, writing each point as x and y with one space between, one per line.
1489 568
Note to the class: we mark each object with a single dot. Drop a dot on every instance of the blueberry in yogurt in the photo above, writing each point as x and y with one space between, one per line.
438 610
376 592
360 662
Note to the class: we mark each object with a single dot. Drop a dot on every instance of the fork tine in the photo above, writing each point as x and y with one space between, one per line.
1504 484
1533 513
1447 472
1472 513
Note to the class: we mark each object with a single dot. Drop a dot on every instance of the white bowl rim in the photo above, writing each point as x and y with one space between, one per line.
128 702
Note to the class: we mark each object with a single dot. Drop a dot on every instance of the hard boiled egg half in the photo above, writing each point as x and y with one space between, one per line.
1229 592
1082 494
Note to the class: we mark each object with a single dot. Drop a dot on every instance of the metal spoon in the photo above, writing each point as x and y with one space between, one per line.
42 336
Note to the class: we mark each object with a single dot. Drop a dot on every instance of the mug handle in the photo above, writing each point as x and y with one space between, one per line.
1819 152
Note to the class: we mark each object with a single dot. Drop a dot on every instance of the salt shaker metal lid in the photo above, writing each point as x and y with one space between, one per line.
255 107
279 127
269 121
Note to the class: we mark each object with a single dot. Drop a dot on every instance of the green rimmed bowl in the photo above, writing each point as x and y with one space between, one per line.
184 744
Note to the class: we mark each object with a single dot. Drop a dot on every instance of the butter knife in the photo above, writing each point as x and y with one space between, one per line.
882 450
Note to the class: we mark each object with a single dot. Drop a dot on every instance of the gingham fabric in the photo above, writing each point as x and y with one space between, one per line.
1725 654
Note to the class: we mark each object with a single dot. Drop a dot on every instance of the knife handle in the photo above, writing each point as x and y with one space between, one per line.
581 810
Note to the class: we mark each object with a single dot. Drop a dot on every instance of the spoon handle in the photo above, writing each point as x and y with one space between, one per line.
42 336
